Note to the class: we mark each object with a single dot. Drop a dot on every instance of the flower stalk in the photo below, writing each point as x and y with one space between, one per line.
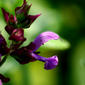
15 28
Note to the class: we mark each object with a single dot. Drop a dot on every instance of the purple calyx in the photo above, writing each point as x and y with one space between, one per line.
17 35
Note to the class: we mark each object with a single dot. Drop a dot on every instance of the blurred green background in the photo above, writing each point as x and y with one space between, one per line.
65 17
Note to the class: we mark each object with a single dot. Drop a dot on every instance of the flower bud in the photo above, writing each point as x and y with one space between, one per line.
17 35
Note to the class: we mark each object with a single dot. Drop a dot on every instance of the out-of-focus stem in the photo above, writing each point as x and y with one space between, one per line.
3 60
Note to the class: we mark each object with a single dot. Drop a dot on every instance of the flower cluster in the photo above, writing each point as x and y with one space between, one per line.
15 28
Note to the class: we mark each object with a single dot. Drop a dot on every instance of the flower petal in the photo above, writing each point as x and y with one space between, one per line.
44 37
50 62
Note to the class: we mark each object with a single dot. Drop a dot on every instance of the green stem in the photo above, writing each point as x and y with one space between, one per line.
3 60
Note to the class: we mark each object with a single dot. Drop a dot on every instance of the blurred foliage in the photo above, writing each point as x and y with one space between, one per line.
63 17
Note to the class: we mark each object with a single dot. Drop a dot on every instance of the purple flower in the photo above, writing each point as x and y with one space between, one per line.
28 53
44 37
